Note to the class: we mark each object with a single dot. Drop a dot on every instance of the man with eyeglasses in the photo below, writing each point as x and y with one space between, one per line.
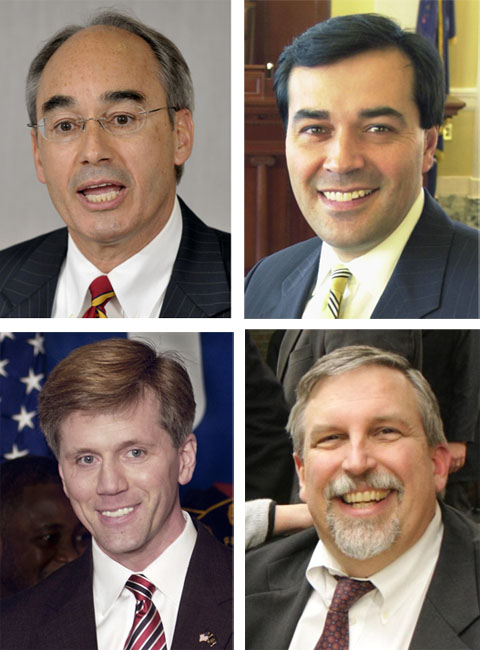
110 108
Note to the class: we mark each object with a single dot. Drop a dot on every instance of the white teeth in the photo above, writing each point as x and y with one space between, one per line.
116 513
363 497
101 198
346 196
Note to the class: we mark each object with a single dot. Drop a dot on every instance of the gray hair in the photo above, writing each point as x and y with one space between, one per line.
349 358
174 72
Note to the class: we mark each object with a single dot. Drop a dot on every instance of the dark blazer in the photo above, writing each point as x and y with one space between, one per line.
199 286
435 277
58 613
277 591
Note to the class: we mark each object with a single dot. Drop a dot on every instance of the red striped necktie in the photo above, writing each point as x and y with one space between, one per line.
101 292
147 631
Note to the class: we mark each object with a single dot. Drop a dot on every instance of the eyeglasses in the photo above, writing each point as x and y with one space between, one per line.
58 127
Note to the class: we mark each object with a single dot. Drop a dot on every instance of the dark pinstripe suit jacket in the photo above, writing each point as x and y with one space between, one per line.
58 613
199 286
435 277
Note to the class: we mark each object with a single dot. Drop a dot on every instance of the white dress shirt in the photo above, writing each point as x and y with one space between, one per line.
139 283
385 617
371 271
115 605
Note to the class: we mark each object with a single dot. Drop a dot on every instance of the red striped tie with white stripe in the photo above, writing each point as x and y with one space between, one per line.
147 631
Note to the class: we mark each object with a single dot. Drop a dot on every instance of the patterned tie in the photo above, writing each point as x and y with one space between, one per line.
339 277
335 635
101 292
147 630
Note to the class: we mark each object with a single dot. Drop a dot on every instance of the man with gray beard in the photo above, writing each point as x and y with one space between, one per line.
387 565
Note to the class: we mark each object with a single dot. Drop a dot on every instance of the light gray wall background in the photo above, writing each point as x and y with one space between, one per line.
200 29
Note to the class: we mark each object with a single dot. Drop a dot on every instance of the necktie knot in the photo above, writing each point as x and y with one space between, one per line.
101 292
347 592
335 635
339 277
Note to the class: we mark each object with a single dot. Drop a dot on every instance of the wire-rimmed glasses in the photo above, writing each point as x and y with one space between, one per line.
60 126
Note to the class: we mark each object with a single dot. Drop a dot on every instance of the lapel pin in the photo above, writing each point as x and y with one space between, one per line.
209 638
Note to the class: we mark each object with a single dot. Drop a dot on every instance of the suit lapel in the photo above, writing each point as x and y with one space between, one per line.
283 598
206 605
415 288
71 620
199 285
297 287
452 601
30 290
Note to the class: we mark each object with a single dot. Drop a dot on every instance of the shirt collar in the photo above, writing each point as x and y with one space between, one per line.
383 257
167 572
395 581
150 269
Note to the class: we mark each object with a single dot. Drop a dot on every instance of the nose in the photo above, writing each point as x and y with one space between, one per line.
358 457
343 153
111 479
95 143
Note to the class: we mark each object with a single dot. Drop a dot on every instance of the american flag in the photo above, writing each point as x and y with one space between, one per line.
22 374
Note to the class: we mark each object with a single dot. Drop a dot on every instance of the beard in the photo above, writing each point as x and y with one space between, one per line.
362 538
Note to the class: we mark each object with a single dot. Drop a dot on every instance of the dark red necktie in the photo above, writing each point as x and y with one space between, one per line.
147 631
335 635
101 292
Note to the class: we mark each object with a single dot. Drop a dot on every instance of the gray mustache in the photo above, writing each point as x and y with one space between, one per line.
373 479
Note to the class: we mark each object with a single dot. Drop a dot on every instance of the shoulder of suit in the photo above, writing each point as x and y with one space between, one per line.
281 547
287 259
55 236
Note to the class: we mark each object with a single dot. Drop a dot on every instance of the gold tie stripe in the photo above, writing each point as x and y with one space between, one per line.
339 278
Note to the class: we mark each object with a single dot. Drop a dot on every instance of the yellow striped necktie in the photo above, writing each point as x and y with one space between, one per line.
339 277
101 292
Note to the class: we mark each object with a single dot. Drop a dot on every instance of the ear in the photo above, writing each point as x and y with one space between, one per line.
440 456
184 135
300 467
429 148
60 471
37 157
187 455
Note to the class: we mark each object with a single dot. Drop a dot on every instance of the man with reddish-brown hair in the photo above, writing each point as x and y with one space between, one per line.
119 418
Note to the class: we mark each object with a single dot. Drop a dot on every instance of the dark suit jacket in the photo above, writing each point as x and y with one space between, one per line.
58 613
199 286
435 277
277 591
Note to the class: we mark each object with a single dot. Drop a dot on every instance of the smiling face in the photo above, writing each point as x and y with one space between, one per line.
42 535
366 472
355 149
87 77
121 474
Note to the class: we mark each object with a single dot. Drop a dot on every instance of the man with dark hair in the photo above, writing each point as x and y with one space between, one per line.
110 142
386 566
122 433
362 101
39 531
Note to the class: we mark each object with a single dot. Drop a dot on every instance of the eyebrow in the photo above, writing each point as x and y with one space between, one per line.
369 113
58 101
306 114
108 97
382 111
112 96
